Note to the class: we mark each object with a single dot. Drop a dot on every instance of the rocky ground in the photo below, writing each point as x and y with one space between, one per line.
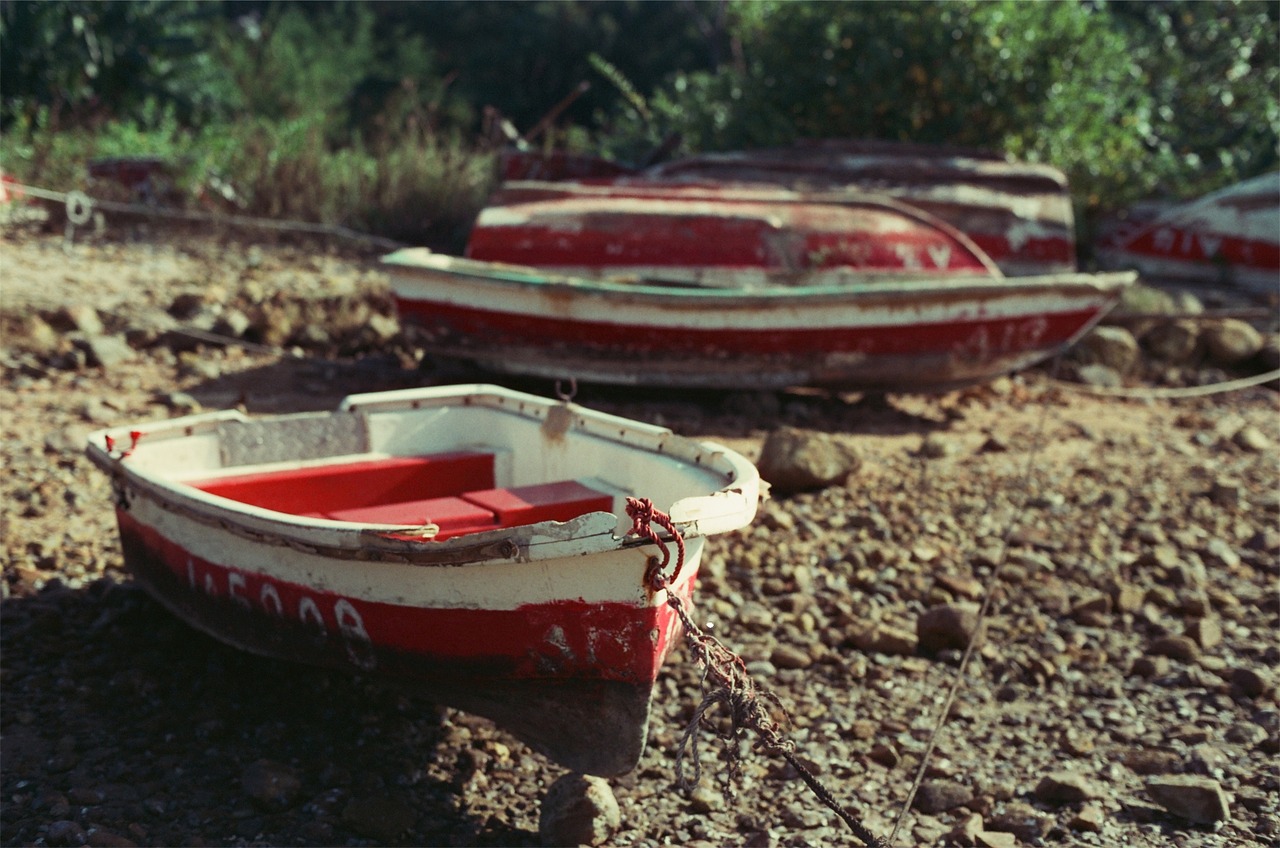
1124 692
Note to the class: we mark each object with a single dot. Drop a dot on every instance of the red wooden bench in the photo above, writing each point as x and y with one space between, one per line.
453 491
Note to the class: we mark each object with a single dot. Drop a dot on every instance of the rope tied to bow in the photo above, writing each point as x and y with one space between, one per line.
725 681
643 516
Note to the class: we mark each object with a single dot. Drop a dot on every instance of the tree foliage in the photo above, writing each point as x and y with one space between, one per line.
1129 97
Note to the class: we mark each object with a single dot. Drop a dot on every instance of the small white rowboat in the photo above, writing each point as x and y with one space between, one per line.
470 542
828 328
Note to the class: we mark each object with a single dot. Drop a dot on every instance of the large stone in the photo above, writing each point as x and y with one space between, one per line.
578 810
794 460
1192 797
1230 341
1114 347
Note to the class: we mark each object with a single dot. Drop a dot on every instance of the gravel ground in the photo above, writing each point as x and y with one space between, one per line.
1124 693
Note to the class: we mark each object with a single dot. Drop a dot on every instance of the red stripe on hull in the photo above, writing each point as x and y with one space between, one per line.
978 338
563 640
1194 246
691 242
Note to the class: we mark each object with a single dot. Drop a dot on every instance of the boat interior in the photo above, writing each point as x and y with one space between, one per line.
454 491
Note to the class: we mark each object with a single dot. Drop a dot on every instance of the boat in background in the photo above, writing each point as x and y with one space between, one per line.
702 234
470 543
830 328
1018 214
1228 240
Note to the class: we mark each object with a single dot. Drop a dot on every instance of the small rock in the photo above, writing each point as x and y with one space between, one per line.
1205 632
1230 341
1065 787
80 317
795 460
937 796
578 810
1150 761
1176 342
790 656
1022 820
965 587
270 785
1251 439
966 832
1250 682
108 351
885 755
1101 376
1090 819
1180 648
705 798
1113 347
995 839
883 639
66 833
936 446
1197 799
947 627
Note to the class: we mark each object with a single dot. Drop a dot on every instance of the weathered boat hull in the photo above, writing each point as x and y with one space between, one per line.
1230 239
1019 215
548 628
838 332
692 232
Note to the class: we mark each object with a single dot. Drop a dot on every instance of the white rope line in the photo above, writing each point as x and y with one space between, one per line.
1186 392
80 207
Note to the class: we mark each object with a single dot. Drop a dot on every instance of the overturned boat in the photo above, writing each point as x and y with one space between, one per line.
700 233
1019 214
829 328
472 543
1229 239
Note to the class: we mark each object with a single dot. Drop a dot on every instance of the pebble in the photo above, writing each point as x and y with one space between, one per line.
578 810
1090 819
1152 761
937 796
1180 648
270 785
66 833
1205 632
1250 682
1022 820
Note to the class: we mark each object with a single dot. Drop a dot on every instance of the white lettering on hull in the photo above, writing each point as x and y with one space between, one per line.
235 586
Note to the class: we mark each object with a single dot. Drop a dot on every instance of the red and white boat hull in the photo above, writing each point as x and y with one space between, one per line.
903 335
549 628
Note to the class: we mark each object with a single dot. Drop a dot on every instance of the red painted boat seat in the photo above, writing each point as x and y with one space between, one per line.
454 491
487 509
322 489
559 501
451 515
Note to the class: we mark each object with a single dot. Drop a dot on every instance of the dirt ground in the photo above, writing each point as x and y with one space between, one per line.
1124 694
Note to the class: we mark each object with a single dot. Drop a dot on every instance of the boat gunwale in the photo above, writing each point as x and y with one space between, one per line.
857 286
591 533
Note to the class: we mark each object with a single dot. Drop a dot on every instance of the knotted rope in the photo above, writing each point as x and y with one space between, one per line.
725 681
